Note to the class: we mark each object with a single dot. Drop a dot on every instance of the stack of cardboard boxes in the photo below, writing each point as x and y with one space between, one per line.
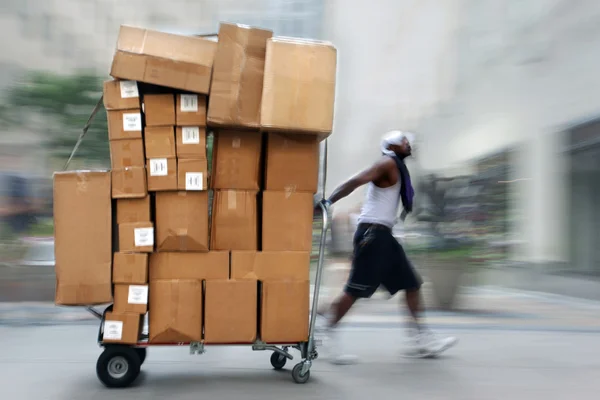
242 273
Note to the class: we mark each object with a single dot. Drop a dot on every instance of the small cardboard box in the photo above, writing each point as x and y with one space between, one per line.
122 328
191 110
237 160
124 124
130 268
129 183
192 174
287 221
131 299
159 109
195 266
133 210
162 174
292 163
230 311
284 311
270 265
137 237
127 153
121 95
182 221
160 142
191 142
175 311
234 220
82 237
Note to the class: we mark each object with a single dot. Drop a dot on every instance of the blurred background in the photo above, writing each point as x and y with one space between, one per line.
502 98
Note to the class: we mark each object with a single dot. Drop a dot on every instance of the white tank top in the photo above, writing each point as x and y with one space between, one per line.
381 206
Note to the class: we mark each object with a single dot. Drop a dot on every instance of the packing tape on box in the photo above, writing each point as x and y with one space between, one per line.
231 200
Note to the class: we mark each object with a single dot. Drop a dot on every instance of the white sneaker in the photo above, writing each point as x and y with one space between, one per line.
334 350
428 344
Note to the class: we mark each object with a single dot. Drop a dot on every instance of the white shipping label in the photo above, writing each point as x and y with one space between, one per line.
194 181
190 135
129 89
236 143
138 294
143 237
189 103
132 122
113 330
159 167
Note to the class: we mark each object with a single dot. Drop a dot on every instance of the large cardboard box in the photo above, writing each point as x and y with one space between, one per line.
191 142
175 311
124 124
236 160
192 174
121 95
299 86
137 237
122 328
287 221
292 163
82 237
191 110
284 311
162 174
237 80
159 109
159 141
270 265
131 299
196 266
230 311
181 62
133 210
234 220
182 221
130 268
129 183
127 153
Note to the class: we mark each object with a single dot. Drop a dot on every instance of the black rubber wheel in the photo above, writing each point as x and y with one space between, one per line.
297 374
277 360
118 366
142 352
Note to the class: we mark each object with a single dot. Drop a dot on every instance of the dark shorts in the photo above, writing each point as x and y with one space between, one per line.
379 260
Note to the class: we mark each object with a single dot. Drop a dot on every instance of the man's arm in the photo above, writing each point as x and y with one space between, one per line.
374 173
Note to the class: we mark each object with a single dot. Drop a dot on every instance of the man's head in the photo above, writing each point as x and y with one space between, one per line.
396 143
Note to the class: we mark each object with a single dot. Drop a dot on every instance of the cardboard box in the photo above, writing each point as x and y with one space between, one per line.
129 183
191 110
182 221
270 265
292 163
196 266
137 237
284 311
131 299
175 311
236 160
234 220
181 62
192 174
121 95
122 328
191 142
131 268
159 109
230 311
299 86
124 124
127 153
133 210
287 221
82 237
160 142
237 80
162 174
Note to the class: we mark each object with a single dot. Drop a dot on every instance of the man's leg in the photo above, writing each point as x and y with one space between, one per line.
415 306
340 308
